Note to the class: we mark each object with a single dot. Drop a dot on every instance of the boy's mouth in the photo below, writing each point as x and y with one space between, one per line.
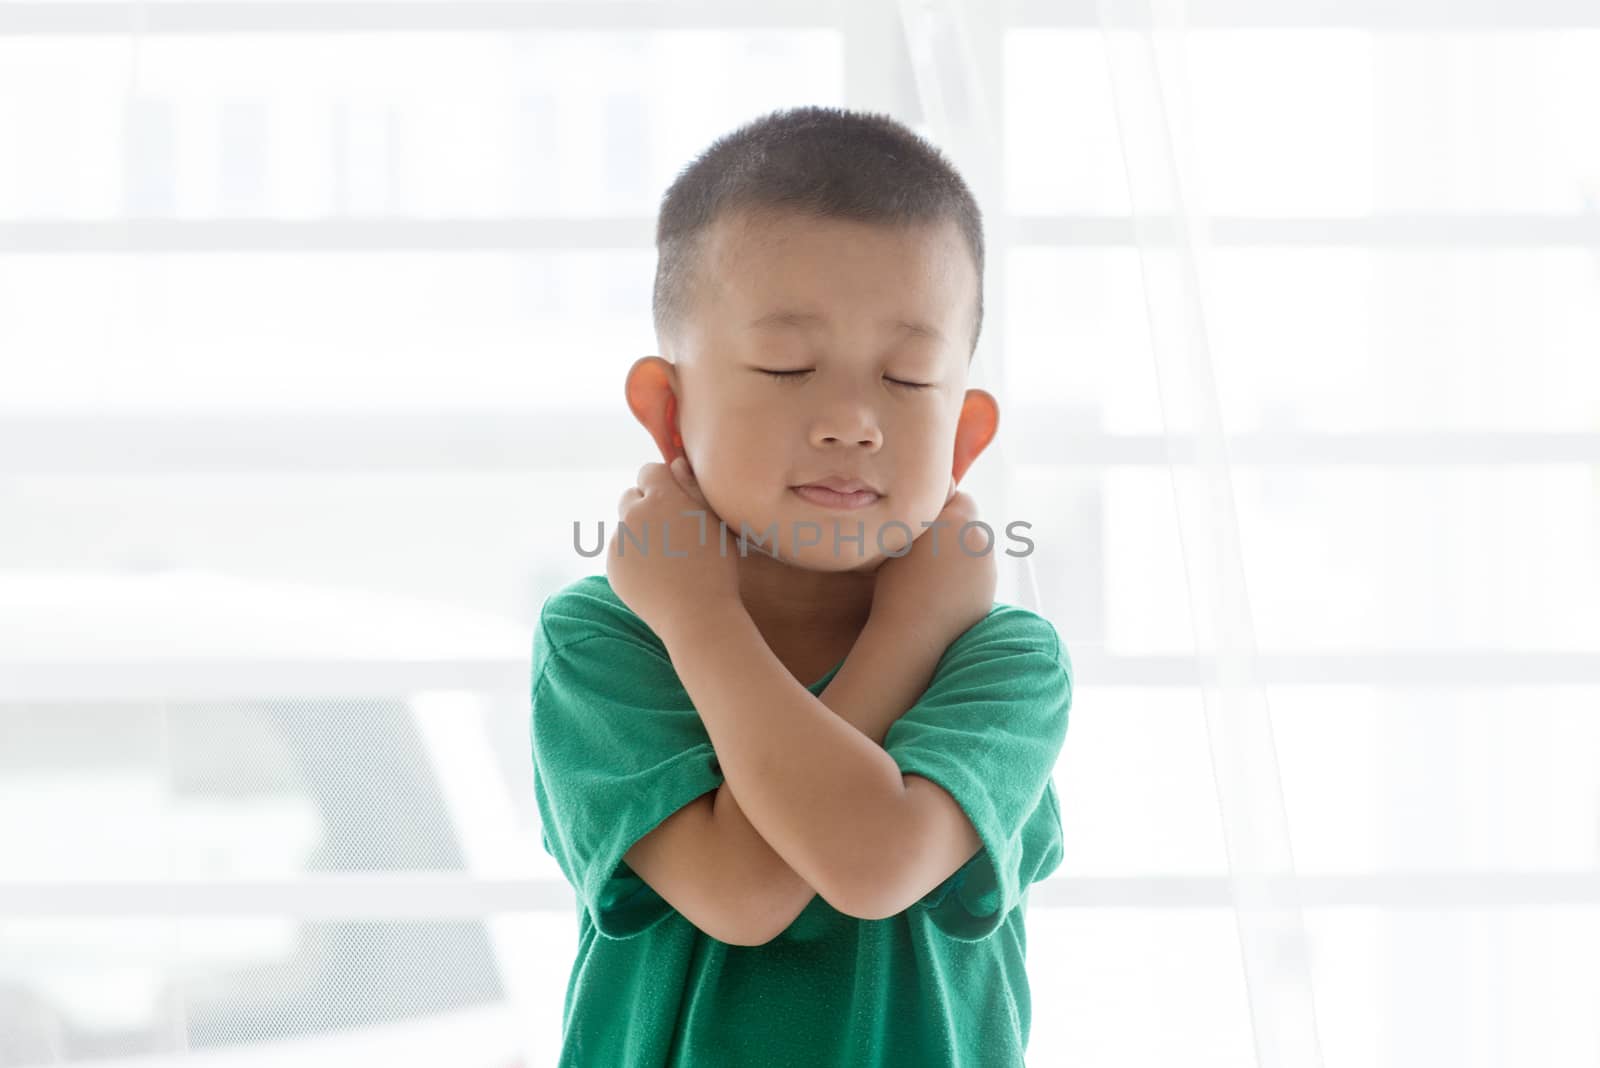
843 484
831 498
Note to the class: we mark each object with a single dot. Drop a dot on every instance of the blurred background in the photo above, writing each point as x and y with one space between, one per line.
313 325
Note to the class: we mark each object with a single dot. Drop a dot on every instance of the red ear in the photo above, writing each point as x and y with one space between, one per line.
672 420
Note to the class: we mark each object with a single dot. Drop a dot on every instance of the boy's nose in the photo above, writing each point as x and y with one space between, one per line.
835 432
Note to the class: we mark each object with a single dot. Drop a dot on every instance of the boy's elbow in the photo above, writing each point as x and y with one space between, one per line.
750 931
742 927
925 840
755 938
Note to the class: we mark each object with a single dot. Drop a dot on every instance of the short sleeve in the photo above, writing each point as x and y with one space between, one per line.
989 730
617 748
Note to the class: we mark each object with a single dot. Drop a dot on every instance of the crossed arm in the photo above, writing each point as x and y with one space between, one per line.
815 788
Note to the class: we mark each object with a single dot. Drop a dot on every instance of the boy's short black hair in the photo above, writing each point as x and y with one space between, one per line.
825 161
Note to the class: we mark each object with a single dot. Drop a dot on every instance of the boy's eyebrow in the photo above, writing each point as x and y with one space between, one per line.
788 317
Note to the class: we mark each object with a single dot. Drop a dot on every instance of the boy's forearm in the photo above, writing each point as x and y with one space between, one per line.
887 670
885 673
891 670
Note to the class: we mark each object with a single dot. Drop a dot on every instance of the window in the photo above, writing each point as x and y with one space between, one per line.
277 349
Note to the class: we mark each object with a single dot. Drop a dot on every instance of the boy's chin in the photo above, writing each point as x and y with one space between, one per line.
818 558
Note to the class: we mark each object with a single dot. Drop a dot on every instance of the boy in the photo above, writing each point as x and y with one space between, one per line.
801 789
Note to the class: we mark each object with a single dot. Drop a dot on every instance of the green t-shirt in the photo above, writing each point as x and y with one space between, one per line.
618 747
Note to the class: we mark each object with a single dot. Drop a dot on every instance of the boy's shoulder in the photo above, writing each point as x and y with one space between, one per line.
1013 628
587 608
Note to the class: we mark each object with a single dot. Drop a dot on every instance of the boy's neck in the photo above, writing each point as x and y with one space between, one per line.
807 617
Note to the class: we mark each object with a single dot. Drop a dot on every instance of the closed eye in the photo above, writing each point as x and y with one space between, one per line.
791 376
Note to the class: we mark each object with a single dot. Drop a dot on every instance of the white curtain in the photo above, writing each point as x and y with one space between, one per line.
1144 42
1144 49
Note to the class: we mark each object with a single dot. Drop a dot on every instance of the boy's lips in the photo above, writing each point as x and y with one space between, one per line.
843 484
829 498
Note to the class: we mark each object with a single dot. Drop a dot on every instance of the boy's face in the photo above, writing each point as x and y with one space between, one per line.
752 437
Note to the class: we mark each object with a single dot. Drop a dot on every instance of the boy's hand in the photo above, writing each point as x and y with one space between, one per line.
938 591
660 588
